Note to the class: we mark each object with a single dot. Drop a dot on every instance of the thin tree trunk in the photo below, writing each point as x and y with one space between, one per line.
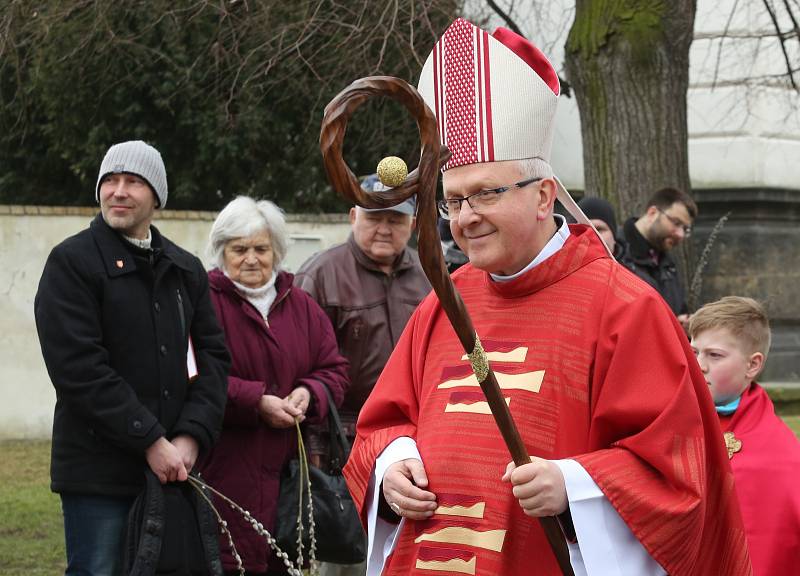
628 63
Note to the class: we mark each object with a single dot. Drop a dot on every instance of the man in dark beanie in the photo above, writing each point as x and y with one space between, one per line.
601 214
135 354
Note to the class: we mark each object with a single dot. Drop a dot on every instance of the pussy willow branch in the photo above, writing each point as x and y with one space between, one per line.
200 485
697 278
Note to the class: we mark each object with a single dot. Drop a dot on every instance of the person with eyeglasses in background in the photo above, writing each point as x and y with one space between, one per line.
666 222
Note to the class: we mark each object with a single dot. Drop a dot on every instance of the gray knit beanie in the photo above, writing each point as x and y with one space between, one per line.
136 157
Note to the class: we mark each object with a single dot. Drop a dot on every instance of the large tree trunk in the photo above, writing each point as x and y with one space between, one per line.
628 63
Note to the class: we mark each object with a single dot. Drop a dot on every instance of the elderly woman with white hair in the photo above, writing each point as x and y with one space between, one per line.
283 352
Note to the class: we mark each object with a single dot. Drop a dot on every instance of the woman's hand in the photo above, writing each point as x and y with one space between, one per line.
274 411
298 401
282 412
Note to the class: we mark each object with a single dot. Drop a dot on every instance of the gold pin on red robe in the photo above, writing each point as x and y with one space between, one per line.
732 443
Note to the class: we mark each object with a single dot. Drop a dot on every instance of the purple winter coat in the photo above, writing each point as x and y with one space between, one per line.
297 348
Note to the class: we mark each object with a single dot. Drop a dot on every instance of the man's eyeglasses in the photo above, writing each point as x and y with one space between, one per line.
450 208
687 230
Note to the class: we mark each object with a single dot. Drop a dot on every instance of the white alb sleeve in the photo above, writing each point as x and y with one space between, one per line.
606 546
381 535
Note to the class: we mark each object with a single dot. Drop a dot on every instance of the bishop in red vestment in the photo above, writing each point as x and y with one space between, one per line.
596 371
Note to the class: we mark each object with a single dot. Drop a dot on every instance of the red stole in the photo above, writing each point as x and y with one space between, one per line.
766 469
594 367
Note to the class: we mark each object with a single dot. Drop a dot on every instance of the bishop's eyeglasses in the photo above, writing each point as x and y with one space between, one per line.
450 208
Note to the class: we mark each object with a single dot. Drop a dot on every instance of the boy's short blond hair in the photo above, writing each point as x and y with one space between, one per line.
743 317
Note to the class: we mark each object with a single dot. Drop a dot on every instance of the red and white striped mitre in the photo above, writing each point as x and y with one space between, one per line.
494 95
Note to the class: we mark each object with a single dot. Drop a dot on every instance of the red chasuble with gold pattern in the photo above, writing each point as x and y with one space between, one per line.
594 367
765 457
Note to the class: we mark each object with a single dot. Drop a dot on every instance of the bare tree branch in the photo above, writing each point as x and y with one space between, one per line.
721 41
792 18
738 34
506 17
782 39
566 89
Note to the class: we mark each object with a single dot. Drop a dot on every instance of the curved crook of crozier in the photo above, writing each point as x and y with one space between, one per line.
422 181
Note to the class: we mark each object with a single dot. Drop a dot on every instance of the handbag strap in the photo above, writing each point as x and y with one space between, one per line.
337 432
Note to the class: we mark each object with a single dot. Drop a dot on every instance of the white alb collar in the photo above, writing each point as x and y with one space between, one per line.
553 245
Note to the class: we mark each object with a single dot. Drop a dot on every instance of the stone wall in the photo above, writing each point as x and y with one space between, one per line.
28 234
756 255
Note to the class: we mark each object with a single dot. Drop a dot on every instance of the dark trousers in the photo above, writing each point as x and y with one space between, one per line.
94 532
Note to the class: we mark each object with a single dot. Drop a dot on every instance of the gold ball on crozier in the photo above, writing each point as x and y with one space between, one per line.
392 171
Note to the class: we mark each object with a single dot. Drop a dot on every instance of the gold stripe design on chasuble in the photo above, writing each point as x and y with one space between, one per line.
474 408
489 540
528 381
454 565
474 511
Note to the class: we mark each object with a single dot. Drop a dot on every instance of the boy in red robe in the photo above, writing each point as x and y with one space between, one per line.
731 339
596 371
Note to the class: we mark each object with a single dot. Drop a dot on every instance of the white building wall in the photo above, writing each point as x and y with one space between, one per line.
744 118
28 234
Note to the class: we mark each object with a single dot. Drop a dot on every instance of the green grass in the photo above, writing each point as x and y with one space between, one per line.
31 527
794 423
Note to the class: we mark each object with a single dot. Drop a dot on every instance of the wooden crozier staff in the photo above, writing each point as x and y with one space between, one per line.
422 182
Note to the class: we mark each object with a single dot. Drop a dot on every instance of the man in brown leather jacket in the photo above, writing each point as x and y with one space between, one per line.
368 286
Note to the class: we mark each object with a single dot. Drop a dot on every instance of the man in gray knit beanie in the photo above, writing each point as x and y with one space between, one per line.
131 184
138 158
135 354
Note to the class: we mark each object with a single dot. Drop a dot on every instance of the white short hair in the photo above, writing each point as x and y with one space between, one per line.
535 168
243 217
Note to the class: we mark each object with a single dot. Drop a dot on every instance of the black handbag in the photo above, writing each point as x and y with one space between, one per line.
340 539
171 530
